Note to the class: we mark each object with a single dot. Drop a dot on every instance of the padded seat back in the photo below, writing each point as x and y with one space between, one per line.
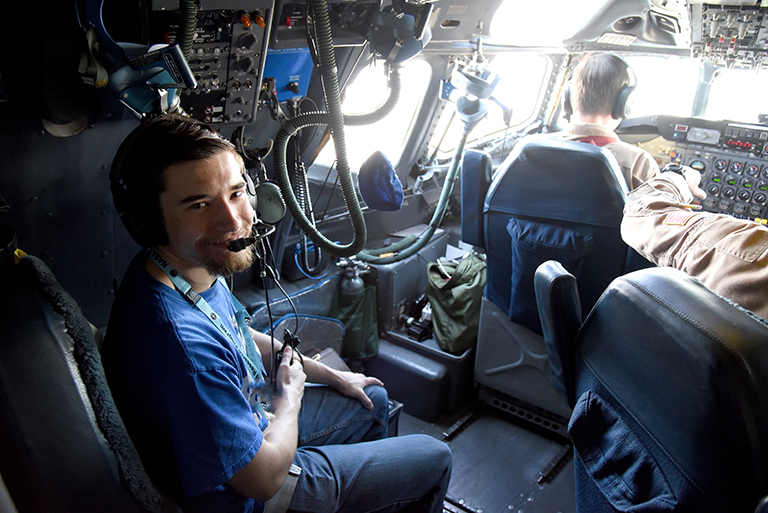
64 446
669 383
553 199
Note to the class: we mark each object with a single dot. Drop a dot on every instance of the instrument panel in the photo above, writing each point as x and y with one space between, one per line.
731 157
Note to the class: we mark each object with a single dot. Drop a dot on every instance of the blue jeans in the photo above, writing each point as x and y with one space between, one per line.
349 465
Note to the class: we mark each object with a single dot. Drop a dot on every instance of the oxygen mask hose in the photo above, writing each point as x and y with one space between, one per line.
335 118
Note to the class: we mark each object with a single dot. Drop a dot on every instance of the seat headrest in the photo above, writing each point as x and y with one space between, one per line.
549 168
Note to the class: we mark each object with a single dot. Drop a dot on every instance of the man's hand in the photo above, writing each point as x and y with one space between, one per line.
289 382
693 178
352 384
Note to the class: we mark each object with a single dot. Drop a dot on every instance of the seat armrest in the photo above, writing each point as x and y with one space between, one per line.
557 299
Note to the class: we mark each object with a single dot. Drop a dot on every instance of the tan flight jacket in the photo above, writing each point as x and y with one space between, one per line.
637 165
728 255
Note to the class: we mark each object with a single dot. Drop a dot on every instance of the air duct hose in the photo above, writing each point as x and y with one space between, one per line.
187 26
336 120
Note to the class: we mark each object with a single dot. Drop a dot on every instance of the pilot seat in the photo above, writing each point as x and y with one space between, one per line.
550 199
667 380
64 447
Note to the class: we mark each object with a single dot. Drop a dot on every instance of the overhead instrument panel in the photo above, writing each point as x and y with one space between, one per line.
350 23
226 56
731 35
731 157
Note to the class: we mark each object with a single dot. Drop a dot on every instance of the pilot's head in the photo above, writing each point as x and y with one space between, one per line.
602 84
137 175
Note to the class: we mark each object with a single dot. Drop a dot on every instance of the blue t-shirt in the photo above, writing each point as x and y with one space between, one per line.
179 384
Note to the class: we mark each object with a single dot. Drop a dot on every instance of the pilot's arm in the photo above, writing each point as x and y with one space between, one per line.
729 255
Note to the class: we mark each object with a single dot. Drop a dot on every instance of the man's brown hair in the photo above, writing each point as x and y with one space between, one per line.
596 83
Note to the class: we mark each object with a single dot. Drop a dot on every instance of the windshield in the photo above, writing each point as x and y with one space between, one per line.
738 95
665 85
668 85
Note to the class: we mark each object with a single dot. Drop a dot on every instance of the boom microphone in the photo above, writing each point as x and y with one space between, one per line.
258 231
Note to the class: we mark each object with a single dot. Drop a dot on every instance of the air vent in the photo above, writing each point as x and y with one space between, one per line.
665 23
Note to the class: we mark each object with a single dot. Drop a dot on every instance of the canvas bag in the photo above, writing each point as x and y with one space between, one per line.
455 292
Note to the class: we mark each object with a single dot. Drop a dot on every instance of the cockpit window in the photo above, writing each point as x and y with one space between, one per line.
366 93
519 90
738 95
665 85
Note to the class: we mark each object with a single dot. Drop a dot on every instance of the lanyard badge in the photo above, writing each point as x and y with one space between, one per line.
250 355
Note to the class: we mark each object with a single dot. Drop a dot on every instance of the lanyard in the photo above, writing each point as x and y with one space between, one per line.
250 355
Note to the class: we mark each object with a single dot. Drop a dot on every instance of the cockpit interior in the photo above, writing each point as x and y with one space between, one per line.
393 145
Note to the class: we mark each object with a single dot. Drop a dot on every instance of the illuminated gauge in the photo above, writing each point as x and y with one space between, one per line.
737 167
763 186
732 180
760 198
718 178
713 189
753 170
721 164
765 171
698 165
745 195
729 192
756 211
748 183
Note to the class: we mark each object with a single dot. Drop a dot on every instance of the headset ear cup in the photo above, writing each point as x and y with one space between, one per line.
622 108
140 220
567 107
270 202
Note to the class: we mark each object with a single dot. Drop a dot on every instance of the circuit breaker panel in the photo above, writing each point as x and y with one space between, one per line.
226 57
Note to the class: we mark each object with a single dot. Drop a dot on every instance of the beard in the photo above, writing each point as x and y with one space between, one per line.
234 262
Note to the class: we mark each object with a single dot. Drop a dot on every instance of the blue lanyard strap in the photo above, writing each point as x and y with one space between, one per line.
250 355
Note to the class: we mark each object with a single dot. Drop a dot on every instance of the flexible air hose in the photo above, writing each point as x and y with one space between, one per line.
386 107
335 118
187 26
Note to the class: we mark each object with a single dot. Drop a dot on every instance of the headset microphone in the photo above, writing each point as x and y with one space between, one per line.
258 232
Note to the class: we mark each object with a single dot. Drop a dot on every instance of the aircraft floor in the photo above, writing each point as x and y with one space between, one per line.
498 461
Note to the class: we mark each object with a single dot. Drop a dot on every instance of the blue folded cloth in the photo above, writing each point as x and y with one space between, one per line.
379 185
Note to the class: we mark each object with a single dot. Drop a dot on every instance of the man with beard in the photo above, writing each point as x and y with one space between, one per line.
186 371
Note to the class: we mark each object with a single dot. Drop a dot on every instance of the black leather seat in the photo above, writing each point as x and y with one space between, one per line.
64 447
668 383
550 199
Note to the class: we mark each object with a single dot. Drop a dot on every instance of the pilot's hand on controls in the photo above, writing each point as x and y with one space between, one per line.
693 178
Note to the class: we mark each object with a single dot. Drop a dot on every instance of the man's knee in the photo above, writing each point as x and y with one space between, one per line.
378 395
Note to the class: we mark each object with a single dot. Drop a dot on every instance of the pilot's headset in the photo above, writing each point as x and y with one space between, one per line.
133 194
622 107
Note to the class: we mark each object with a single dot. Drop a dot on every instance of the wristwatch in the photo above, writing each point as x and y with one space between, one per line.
674 168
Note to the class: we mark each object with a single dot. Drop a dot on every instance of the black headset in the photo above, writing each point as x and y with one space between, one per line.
140 215
622 107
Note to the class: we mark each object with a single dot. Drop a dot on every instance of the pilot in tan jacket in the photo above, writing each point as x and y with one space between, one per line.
597 98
